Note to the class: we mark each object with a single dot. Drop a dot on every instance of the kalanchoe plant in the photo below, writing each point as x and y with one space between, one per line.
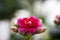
57 20
28 27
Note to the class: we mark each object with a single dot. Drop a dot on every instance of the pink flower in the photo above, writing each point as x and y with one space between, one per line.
29 25
58 17
57 20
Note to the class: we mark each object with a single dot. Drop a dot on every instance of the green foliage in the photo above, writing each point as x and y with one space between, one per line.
16 36
8 7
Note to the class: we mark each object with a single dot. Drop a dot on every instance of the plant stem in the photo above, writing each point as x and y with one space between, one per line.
27 37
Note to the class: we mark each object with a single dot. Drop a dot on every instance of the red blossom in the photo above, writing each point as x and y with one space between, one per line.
29 25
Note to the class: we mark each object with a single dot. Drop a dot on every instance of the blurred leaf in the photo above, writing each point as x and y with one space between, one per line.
8 7
16 36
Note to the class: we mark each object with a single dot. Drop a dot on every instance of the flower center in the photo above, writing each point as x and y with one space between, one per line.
29 22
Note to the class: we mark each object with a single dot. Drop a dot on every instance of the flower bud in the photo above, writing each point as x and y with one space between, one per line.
41 30
57 20
14 29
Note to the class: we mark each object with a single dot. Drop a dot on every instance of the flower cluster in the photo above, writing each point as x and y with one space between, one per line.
31 25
